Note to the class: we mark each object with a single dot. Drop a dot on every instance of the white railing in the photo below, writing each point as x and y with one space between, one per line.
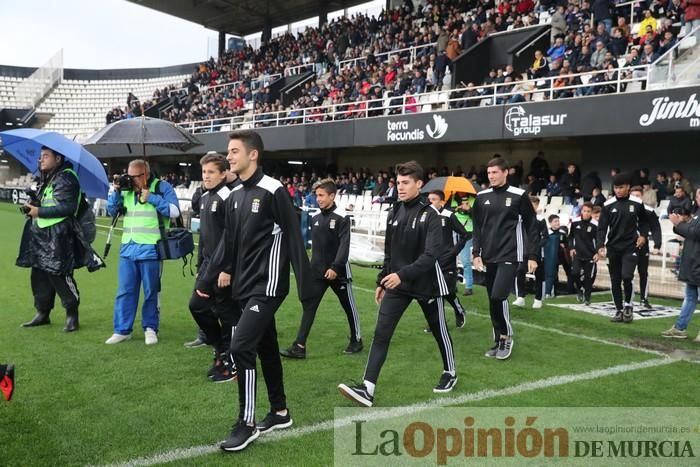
32 89
593 82
412 52
255 84
299 69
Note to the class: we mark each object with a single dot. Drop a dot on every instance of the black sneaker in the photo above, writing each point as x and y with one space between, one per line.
357 393
627 314
446 384
218 362
491 353
579 297
459 320
225 373
353 346
468 292
274 421
294 351
241 436
647 305
505 348
617 318
587 302
195 344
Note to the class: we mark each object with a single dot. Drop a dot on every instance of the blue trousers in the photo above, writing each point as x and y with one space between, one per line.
688 307
131 275
466 255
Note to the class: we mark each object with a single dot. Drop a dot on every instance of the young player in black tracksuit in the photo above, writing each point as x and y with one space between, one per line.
504 221
231 182
455 236
412 247
583 251
520 280
643 253
262 237
623 223
330 267
216 316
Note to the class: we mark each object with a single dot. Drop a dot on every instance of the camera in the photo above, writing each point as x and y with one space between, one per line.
33 200
125 182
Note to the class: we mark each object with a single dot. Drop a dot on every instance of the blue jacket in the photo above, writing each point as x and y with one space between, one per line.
163 200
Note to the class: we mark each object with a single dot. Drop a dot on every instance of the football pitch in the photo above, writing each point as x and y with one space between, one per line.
81 402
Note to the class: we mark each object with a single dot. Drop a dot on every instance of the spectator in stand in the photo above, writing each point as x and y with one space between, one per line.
597 198
618 43
666 43
660 185
570 184
691 8
598 56
677 178
553 188
539 68
601 12
696 203
648 20
680 200
556 52
469 35
558 23
649 195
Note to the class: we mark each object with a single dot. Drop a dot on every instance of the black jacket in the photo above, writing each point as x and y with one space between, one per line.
212 213
454 236
412 247
654 231
330 243
569 183
262 236
60 248
622 220
677 203
583 238
689 271
505 226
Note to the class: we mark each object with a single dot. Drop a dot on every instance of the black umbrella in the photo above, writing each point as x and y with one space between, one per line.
144 131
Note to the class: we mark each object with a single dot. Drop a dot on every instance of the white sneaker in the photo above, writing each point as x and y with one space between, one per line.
537 304
117 338
151 336
520 301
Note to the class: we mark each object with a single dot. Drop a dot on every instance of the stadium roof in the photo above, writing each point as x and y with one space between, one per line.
242 17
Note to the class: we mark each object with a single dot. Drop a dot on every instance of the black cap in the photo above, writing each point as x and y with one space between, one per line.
622 179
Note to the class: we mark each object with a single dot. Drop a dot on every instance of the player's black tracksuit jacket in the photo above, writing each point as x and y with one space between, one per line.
583 240
505 231
330 249
412 248
262 236
217 315
622 221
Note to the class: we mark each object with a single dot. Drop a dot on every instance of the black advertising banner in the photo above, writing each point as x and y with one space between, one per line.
634 112
637 112
473 124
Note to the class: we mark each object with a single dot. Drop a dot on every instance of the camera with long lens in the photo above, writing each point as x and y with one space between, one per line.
126 183
33 200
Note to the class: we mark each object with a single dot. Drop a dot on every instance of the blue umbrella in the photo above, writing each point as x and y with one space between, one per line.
25 146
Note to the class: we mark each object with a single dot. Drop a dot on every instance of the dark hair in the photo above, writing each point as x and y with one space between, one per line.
327 185
53 151
216 159
534 200
587 204
552 217
678 171
597 209
410 169
440 193
499 162
250 139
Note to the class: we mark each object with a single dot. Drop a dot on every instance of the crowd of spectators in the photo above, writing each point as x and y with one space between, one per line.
356 68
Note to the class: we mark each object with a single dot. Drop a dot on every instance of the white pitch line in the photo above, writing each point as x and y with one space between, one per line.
556 331
553 381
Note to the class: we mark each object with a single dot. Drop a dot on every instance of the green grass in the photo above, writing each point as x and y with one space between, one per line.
80 402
